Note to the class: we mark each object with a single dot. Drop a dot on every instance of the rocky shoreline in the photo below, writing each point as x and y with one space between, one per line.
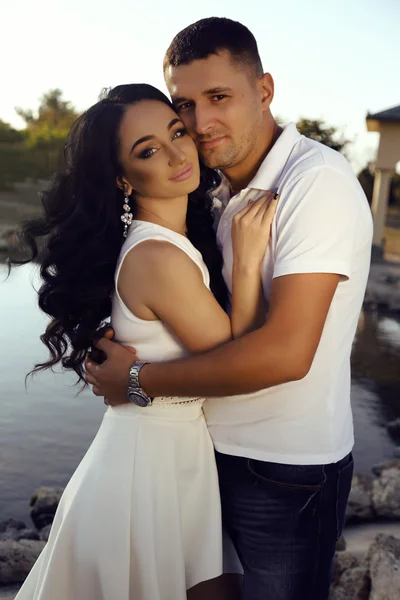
374 502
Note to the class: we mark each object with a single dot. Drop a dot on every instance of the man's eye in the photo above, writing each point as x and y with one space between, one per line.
219 97
148 153
183 106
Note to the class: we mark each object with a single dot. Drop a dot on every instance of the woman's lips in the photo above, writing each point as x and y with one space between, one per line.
183 174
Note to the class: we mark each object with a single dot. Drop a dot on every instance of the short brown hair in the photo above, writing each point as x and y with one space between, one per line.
208 36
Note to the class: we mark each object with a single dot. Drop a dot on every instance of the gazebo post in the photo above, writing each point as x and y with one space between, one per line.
380 199
387 123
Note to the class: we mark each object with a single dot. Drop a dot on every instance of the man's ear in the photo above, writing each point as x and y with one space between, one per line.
266 89
124 185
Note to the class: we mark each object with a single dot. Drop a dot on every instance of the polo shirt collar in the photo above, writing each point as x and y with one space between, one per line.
268 175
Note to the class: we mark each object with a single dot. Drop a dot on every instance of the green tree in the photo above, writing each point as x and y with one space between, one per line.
317 130
13 155
53 113
34 151
9 135
46 132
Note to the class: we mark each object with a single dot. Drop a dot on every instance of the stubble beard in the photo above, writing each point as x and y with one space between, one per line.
220 160
232 155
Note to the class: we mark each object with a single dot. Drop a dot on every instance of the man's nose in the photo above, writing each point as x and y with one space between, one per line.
203 120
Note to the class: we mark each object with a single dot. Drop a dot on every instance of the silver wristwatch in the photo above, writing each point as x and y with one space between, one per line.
135 393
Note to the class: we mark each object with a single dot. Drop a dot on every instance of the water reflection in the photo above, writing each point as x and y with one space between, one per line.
45 430
389 331
376 388
376 349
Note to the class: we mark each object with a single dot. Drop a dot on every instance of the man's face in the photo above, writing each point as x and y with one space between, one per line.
221 104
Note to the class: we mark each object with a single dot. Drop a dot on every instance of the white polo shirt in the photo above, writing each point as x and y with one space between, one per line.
323 224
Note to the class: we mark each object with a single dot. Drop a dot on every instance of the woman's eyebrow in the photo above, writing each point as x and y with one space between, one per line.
145 138
173 122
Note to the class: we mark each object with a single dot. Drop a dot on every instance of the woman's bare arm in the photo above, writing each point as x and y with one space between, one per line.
158 277
158 280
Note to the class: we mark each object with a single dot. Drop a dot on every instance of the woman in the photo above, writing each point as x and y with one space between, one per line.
140 518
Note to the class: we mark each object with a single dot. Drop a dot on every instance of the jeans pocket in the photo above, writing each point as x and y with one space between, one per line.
306 478
344 478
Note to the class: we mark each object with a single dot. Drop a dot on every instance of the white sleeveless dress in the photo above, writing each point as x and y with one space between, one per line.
140 518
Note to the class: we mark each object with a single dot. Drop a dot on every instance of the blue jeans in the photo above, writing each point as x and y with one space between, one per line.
284 521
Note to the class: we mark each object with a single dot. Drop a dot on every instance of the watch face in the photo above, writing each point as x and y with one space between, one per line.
138 399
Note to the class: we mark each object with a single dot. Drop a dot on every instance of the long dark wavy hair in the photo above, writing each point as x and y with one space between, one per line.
78 239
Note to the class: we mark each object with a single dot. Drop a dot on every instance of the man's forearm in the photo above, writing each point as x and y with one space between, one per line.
251 363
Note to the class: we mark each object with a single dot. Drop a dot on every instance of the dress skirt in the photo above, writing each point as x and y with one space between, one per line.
140 518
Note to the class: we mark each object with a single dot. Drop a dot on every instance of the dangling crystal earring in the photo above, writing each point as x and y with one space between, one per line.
127 217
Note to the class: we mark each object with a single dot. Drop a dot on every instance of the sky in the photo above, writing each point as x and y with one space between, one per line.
334 60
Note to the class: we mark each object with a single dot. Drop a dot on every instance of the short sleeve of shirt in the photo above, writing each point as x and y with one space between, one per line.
317 224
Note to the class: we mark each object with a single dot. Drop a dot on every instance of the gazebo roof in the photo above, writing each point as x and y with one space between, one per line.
391 115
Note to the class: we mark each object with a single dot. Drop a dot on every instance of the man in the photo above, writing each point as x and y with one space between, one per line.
282 426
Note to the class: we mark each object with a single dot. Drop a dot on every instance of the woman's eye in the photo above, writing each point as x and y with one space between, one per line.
179 133
148 153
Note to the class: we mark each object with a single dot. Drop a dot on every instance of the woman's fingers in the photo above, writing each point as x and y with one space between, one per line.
254 208
251 229
270 210
261 205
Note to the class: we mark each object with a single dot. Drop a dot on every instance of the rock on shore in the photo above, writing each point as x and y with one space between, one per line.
375 496
17 559
44 504
376 577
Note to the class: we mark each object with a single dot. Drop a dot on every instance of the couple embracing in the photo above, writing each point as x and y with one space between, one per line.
232 256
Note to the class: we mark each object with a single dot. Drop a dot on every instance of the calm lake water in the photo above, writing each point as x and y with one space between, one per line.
46 429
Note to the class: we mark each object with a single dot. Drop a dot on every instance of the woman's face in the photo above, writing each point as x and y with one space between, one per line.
158 157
